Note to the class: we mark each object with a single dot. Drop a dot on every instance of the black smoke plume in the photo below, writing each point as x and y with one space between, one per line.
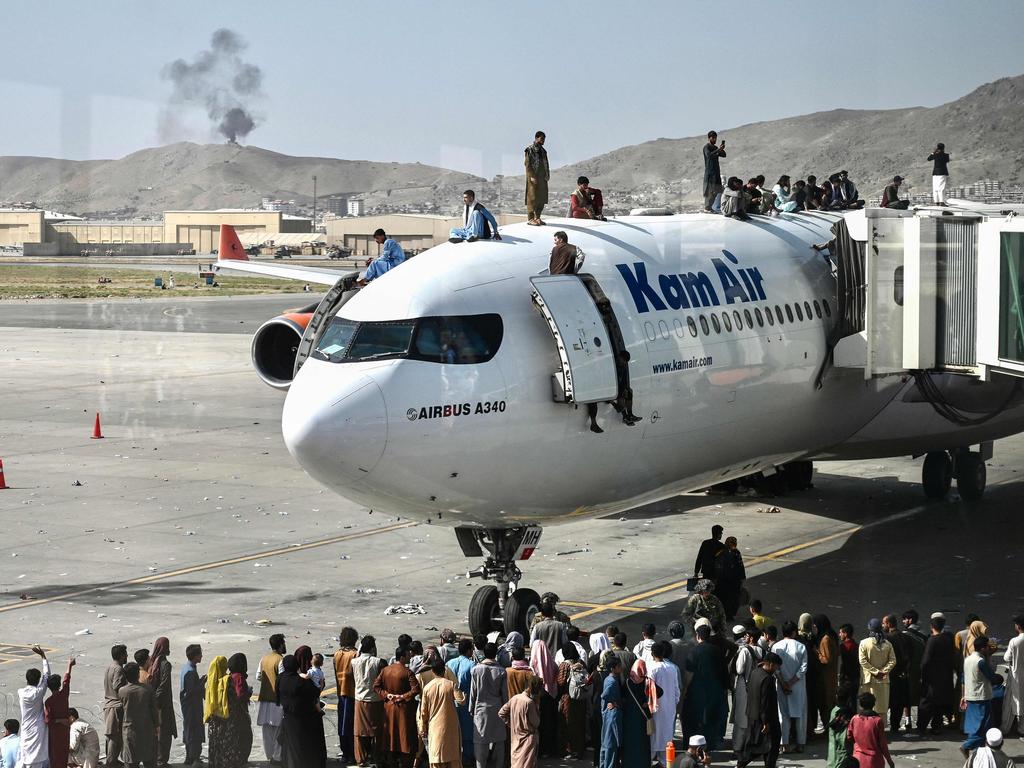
218 80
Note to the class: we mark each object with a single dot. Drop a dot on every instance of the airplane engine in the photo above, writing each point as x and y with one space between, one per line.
274 346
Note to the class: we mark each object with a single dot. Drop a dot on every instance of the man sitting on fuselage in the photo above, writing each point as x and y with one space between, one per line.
390 257
586 202
477 222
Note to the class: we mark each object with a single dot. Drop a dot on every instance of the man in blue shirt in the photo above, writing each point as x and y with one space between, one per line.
390 257
9 744
477 222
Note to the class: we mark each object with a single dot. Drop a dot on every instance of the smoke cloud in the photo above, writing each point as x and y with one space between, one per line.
219 81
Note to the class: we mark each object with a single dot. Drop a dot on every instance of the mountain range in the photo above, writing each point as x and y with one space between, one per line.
982 133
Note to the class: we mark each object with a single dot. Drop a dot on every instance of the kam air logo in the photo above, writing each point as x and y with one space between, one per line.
692 289
450 410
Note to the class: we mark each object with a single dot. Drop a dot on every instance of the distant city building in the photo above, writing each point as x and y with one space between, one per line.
336 204
356 207
279 206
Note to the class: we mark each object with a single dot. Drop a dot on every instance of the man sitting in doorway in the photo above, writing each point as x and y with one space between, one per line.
477 222
586 202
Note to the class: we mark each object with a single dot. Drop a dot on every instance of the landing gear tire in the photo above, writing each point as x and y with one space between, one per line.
937 475
970 476
484 611
520 608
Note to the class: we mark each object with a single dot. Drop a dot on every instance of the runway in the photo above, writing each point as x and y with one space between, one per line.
192 521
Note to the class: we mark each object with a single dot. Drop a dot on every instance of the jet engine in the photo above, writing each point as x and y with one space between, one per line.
275 344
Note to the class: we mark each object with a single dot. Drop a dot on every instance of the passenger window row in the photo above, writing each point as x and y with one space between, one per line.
725 321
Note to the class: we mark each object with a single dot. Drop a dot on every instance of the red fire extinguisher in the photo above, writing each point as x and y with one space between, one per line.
670 753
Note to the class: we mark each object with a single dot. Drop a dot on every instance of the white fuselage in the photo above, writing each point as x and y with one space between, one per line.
485 444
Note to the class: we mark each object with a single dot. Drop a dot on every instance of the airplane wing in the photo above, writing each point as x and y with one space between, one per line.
232 258
317 275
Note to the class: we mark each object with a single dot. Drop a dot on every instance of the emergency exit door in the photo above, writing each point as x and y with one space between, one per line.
584 345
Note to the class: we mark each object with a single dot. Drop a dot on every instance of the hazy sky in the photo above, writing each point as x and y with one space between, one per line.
465 85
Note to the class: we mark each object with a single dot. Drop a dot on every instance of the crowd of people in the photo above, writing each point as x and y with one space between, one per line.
491 702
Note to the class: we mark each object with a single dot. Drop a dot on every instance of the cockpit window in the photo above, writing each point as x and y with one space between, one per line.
458 339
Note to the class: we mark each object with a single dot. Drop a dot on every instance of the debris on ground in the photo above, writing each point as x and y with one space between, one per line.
366 591
406 608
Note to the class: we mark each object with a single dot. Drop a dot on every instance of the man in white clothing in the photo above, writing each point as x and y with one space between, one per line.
85 742
792 677
665 675
35 745
1013 704
642 650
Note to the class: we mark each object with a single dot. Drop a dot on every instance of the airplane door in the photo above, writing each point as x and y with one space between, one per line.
584 344
343 290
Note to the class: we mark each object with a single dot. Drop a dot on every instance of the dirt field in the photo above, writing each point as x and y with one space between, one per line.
83 283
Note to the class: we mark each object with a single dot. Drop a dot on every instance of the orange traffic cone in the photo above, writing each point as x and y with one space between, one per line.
97 433
3 483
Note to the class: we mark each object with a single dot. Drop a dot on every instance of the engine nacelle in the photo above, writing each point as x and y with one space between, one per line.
274 346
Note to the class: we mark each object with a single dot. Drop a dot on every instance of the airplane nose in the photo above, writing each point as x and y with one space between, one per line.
335 423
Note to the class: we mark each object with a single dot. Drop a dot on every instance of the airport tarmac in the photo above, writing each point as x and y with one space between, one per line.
189 519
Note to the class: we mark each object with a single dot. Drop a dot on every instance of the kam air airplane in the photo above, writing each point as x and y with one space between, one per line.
456 387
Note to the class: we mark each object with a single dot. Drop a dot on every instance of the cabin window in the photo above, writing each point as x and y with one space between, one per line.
799 312
726 321
693 326
789 313
759 316
769 316
807 310
826 307
715 323
817 309
749 318
778 314
738 319
704 325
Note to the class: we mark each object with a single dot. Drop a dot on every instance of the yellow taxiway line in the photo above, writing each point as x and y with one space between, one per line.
208 566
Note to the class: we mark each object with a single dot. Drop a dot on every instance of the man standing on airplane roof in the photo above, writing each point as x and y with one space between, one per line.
712 171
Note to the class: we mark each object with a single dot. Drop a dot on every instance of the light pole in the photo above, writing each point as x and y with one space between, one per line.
314 203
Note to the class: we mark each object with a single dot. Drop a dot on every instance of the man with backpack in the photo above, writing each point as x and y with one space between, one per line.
574 697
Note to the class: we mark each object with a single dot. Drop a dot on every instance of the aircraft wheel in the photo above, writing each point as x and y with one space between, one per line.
484 615
937 475
970 476
520 608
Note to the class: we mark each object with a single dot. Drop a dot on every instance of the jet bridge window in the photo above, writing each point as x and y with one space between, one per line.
1011 296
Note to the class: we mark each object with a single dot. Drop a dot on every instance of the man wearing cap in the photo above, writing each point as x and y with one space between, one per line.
748 655
764 732
792 656
938 671
991 755
391 256
696 754
709 550
891 195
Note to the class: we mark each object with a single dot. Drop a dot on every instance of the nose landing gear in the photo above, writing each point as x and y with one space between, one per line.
504 607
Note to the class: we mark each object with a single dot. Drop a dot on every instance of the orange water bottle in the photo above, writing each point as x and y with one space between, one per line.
670 753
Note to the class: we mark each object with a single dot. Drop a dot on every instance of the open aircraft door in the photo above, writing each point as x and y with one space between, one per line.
343 290
582 337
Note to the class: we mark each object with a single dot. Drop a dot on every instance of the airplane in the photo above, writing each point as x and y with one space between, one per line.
457 388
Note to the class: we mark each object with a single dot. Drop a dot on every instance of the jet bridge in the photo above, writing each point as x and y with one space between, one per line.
933 289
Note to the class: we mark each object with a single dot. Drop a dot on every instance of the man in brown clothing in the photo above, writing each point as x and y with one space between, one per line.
113 709
563 256
346 693
140 720
397 685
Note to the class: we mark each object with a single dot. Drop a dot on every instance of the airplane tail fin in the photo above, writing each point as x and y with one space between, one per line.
230 245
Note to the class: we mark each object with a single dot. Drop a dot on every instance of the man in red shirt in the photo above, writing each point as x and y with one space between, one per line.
58 719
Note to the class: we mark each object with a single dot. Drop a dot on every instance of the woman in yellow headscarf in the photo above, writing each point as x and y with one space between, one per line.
216 704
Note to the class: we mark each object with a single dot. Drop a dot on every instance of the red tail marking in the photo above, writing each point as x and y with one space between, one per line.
230 245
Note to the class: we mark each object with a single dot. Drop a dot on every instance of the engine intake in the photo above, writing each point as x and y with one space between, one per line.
274 346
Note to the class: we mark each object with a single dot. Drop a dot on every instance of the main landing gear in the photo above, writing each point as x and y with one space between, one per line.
968 467
504 607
